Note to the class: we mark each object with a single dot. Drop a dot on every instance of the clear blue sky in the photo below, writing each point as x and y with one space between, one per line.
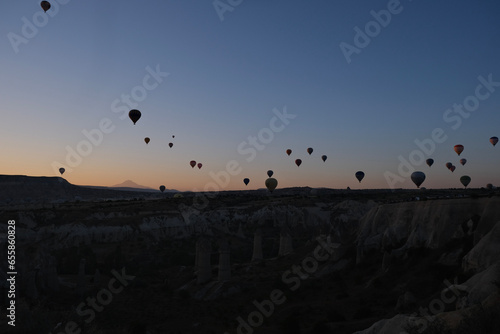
227 76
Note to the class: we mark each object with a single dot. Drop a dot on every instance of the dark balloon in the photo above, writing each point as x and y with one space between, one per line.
298 162
310 150
162 188
448 165
62 170
173 136
192 163
289 151
147 140
452 168
246 181
324 157
271 184
359 175
270 173
463 161
200 165
170 144
418 178
494 140
134 115
45 5
429 162
465 180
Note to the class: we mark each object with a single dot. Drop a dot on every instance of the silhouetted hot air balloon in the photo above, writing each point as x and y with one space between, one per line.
494 140
246 181
271 184
192 163
62 170
323 157
173 136
134 115
448 165
45 5
452 168
289 151
162 188
458 148
429 162
170 145
270 173
298 162
465 180
147 140
418 178
310 150
489 186
200 165
359 175
463 161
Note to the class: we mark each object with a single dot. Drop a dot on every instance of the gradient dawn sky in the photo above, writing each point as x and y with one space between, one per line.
237 82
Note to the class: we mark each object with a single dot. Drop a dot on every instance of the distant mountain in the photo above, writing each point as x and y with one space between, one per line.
130 184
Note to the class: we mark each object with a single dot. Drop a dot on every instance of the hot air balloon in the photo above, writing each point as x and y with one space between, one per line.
298 162
200 165
45 5
246 181
192 163
173 136
147 140
465 180
418 178
271 184
289 151
448 165
310 150
429 162
162 188
62 170
270 173
170 145
494 140
489 186
463 161
452 168
359 175
134 115
459 149
323 157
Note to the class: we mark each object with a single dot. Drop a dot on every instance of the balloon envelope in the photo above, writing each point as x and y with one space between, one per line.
429 162
246 181
494 140
465 180
147 140
448 165
310 150
452 168
271 184
298 162
45 5
463 161
134 115
324 157
200 165
62 170
192 163
458 148
418 178
170 145
270 173
162 188
359 175
289 151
